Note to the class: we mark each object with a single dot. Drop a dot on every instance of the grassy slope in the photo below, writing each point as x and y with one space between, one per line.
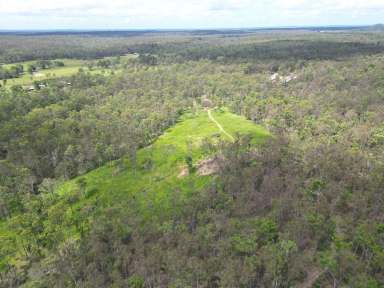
150 191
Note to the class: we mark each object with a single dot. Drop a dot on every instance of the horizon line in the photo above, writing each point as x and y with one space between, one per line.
189 29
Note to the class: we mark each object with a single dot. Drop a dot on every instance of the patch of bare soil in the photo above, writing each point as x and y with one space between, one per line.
207 166
38 74
183 173
204 167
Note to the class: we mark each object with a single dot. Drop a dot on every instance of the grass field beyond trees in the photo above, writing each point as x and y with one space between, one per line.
70 67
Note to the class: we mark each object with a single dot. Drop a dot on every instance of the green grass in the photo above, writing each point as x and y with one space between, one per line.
153 188
235 124
150 187
71 67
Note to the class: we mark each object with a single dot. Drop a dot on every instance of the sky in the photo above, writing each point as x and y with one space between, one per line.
185 14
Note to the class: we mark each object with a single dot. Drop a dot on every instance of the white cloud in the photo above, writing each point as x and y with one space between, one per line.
188 13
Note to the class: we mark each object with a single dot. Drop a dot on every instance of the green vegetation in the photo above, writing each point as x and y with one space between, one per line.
71 67
149 183
152 176
123 179
29 72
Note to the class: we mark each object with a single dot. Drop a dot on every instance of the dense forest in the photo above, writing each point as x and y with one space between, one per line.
304 207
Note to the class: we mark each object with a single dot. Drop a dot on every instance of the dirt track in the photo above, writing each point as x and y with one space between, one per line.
219 125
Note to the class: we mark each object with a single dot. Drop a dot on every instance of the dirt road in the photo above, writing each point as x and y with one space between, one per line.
219 125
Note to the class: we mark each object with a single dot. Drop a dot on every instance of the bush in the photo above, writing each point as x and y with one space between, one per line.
135 282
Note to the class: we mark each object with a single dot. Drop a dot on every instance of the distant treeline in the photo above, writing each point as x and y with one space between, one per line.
275 50
128 33
179 46
18 49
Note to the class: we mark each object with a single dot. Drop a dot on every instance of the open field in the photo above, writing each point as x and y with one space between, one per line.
72 66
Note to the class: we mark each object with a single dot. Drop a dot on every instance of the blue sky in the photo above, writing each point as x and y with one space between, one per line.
163 14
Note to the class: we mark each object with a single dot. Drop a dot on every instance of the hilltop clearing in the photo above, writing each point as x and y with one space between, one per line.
146 185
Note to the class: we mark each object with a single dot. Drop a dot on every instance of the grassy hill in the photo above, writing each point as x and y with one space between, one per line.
150 184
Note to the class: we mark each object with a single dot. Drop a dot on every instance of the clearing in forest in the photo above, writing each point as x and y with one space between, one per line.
147 184
71 67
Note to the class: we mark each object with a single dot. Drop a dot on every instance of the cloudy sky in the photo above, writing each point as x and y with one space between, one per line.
163 14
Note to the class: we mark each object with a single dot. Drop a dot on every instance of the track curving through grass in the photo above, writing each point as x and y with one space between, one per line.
219 126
